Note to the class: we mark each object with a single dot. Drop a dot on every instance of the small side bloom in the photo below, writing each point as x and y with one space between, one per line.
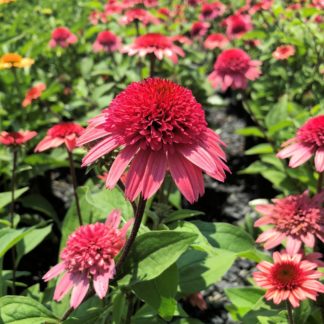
210 11
233 68
140 15
216 40
62 37
199 29
309 140
63 133
16 138
283 52
89 257
13 60
297 218
33 93
237 25
289 278
106 41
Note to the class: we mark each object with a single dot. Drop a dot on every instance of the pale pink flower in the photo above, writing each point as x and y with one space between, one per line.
140 15
62 37
233 68
308 141
216 40
160 127
106 41
283 52
289 278
296 218
89 257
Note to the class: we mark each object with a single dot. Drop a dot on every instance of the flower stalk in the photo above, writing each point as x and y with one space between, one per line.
290 313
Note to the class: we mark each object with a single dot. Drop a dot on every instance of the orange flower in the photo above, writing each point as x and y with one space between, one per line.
10 60
6 1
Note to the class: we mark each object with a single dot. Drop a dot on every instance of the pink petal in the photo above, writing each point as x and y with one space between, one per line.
91 134
309 240
113 219
81 285
70 142
263 221
289 150
103 147
319 159
302 155
48 142
63 287
125 228
101 283
154 174
293 246
119 165
54 272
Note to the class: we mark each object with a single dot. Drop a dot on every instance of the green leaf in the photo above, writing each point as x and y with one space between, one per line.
263 148
5 197
182 214
120 306
154 252
278 113
250 131
245 299
160 292
24 310
198 270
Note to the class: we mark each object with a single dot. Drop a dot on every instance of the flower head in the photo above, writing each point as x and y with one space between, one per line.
297 218
138 14
63 133
210 11
33 93
216 40
11 60
89 256
106 41
289 278
237 25
160 127
157 44
62 37
16 138
308 141
283 52
233 68
199 29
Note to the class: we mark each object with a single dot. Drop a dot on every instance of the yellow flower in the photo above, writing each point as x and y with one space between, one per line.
10 60
6 1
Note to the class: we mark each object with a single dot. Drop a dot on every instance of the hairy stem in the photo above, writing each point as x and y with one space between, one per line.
137 223
74 183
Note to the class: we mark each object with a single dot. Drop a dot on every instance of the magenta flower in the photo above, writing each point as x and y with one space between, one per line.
233 68
210 11
160 127
216 40
16 138
297 218
237 25
140 15
62 37
308 141
106 41
283 52
89 257
199 28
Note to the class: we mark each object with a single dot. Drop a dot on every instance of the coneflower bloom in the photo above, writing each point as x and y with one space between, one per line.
297 218
106 41
159 45
210 11
237 25
16 138
308 141
33 93
89 257
13 60
199 29
289 278
233 68
216 40
181 39
62 37
62 133
137 14
160 127
283 52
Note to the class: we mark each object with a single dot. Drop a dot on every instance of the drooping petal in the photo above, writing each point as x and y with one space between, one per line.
63 287
48 142
101 283
81 286
54 272
113 219
91 134
293 245
302 155
319 159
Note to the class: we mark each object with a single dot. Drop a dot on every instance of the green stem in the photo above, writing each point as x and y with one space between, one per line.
152 65
1 279
74 184
290 313
320 182
129 309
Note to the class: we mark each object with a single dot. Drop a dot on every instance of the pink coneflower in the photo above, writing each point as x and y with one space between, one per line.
216 40
16 138
96 16
319 4
165 13
283 52
133 3
289 278
63 133
199 29
194 2
159 45
161 127
33 93
62 36
210 11
138 15
89 257
181 39
106 41
261 5
297 218
308 141
233 68
197 300
237 25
